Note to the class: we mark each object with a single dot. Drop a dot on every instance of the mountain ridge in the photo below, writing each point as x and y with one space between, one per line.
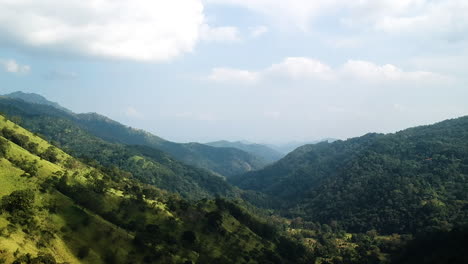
226 162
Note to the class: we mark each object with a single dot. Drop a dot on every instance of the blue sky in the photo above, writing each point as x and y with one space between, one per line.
258 70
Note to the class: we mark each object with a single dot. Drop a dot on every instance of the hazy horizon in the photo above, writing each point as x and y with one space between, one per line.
243 70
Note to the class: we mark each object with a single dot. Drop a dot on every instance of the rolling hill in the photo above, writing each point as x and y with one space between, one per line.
411 181
223 161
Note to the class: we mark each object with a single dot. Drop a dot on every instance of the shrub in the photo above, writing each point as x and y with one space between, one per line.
3 147
50 154
22 200
18 139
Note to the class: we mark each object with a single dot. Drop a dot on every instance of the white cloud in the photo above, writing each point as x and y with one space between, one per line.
297 68
219 34
444 18
365 70
143 30
233 75
133 113
422 17
306 69
12 66
258 31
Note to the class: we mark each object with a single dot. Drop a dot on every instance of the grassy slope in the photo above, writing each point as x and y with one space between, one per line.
11 180
74 226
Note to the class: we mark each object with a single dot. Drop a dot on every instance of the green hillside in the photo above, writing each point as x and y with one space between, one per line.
55 209
268 154
225 161
408 182
149 165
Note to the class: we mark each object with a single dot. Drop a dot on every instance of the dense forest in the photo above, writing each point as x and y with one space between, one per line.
85 189
408 182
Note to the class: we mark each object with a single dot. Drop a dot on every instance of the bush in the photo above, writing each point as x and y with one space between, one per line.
18 139
30 168
3 147
32 147
22 200
50 154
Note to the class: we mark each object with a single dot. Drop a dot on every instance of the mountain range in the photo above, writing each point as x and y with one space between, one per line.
223 161
82 188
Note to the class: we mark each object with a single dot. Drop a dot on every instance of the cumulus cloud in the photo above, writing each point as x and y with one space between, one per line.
304 69
390 16
297 68
143 30
12 66
233 75
444 18
365 70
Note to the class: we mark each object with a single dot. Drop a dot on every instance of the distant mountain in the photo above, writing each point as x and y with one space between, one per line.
266 153
223 161
36 99
409 181
288 147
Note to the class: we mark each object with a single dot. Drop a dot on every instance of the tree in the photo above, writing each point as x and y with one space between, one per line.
22 200
3 147
50 154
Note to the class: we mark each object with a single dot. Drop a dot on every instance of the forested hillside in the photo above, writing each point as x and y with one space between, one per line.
223 161
408 182
146 164
56 209
90 197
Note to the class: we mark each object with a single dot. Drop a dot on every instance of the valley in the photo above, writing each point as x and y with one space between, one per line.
82 188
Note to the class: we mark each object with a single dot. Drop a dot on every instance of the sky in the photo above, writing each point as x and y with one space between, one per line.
267 71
